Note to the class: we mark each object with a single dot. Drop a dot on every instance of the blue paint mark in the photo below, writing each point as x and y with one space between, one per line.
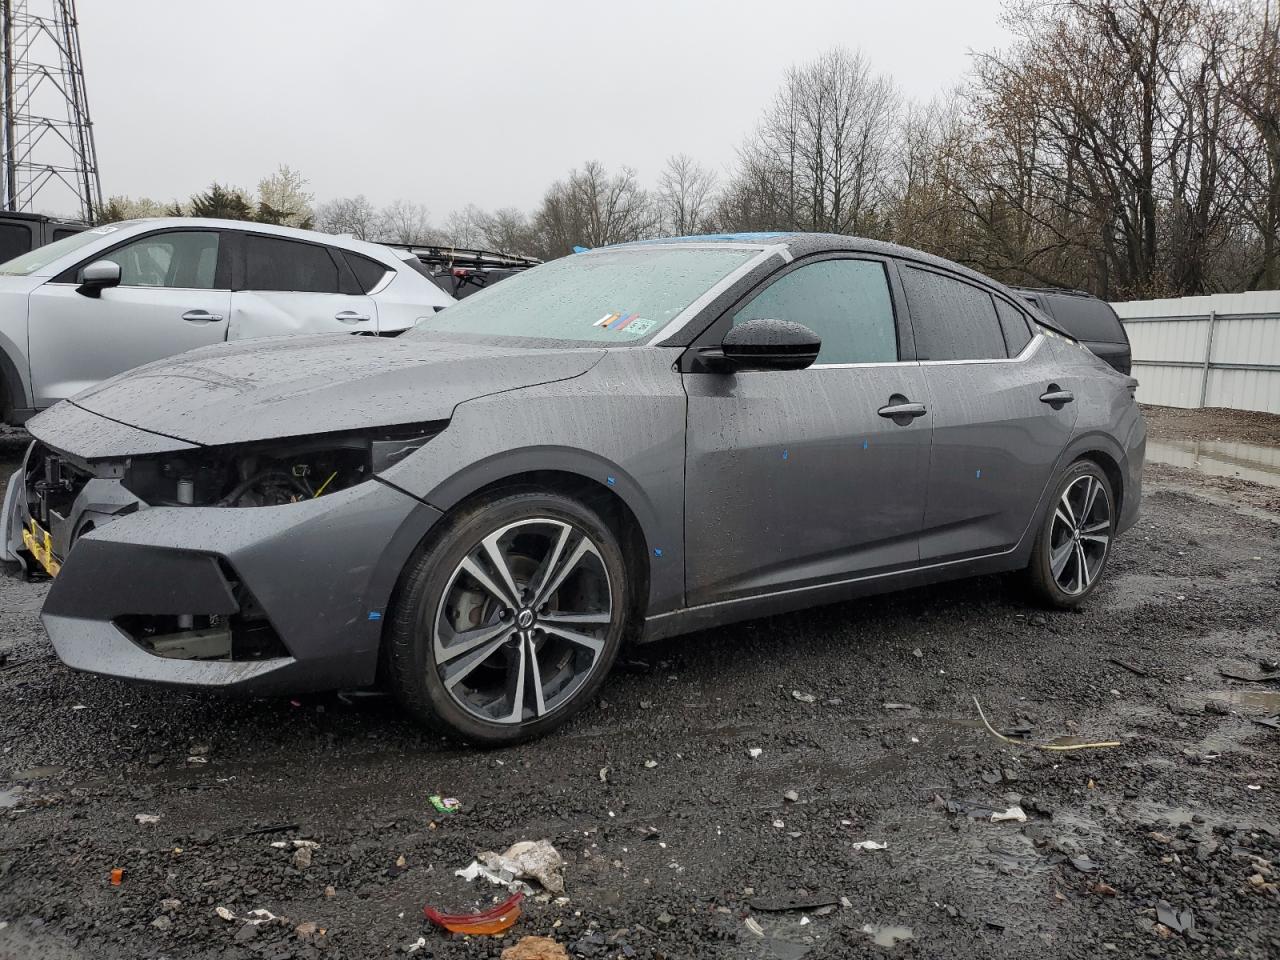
610 481
978 475
375 615
657 551
864 444
786 455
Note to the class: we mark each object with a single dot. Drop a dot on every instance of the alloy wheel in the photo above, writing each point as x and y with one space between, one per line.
522 621
1080 535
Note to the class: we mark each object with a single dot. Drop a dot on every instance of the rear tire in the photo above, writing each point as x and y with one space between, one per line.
1073 545
507 622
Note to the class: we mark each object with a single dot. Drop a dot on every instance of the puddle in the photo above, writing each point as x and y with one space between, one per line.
9 797
1268 701
1219 458
886 935
37 773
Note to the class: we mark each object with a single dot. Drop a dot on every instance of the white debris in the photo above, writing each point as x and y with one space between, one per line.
604 774
805 921
650 764
1013 813
79 706
754 752
296 844
803 697
416 945
870 845
147 817
535 860
778 824
751 924
224 913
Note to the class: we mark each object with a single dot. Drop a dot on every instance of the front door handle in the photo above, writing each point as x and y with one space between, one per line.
201 316
901 409
350 316
1057 397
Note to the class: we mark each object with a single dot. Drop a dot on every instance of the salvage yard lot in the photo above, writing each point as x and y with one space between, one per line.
669 858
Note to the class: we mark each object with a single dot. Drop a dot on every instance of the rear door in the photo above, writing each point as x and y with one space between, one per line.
174 295
996 442
795 478
287 286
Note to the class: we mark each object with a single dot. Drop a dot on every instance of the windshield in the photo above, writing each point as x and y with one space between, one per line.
41 257
606 296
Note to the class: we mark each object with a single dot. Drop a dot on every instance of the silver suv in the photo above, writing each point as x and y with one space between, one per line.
94 304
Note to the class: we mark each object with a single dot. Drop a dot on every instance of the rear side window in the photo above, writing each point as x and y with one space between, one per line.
1014 327
15 240
953 320
845 302
275 264
369 273
1087 318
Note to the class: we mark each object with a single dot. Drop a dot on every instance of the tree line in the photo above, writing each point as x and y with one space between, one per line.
1126 147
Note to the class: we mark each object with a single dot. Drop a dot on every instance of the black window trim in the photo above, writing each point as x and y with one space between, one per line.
221 274
988 289
1032 327
715 331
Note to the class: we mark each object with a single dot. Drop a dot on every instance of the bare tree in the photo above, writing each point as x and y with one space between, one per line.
404 221
509 231
685 196
465 227
353 215
591 208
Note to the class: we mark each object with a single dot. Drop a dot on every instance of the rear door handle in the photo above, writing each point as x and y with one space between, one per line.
350 316
1057 396
201 316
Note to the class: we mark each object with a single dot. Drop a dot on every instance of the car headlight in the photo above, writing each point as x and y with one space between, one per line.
269 473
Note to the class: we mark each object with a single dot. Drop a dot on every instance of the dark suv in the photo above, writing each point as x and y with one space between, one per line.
1085 317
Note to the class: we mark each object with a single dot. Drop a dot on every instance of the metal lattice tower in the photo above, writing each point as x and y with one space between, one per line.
49 161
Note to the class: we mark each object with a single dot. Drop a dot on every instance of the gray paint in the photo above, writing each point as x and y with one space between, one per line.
731 528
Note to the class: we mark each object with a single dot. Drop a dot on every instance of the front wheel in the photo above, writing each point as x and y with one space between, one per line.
507 624
1074 543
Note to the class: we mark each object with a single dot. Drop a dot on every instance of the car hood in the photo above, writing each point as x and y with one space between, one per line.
295 386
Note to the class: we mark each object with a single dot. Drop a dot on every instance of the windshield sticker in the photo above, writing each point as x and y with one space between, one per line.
623 321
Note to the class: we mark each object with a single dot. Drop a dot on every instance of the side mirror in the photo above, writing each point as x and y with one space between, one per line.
97 277
769 345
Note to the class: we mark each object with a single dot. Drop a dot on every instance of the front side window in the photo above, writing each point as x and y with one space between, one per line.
182 258
952 320
845 302
275 264
608 296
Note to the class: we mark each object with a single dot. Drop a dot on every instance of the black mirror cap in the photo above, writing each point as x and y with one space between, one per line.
97 277
770 345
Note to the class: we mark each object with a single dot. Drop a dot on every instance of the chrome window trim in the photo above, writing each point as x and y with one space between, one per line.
1032 345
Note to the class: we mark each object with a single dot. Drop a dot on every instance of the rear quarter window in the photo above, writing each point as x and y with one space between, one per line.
1087 318
952 320
369 272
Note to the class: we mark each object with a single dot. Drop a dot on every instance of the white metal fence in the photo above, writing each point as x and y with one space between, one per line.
1215 351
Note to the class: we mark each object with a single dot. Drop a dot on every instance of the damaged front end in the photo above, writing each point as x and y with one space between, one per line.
243 566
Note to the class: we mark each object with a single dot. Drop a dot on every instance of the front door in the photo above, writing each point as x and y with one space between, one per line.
172 297
796 478
996 443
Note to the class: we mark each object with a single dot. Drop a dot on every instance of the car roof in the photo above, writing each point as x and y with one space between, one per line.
293 233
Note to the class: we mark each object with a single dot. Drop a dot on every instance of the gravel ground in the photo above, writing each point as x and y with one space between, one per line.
684 836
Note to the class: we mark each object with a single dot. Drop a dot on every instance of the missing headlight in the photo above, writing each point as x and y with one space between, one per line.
272 473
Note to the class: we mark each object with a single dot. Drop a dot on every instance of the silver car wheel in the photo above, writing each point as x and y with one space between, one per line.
522 622
1080 535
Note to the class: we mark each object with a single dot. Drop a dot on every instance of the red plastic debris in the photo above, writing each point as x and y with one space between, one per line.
494 920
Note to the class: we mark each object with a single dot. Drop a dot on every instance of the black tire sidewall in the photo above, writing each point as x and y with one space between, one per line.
411 650
1041 573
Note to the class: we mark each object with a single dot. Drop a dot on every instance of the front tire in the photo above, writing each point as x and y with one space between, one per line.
508 621
1074 543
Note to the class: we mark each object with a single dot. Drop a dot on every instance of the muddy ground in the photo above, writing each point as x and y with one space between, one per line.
670 858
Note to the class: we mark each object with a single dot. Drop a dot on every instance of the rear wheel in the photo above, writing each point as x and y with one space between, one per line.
1074 543
508 622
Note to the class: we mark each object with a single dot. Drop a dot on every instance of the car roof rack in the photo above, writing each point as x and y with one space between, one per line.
465 257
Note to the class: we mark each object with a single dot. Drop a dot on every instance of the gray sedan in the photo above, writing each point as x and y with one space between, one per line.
624 444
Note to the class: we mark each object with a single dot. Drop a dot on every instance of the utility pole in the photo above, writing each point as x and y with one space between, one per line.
49 159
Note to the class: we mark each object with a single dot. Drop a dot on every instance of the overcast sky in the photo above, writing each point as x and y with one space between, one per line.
451 103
